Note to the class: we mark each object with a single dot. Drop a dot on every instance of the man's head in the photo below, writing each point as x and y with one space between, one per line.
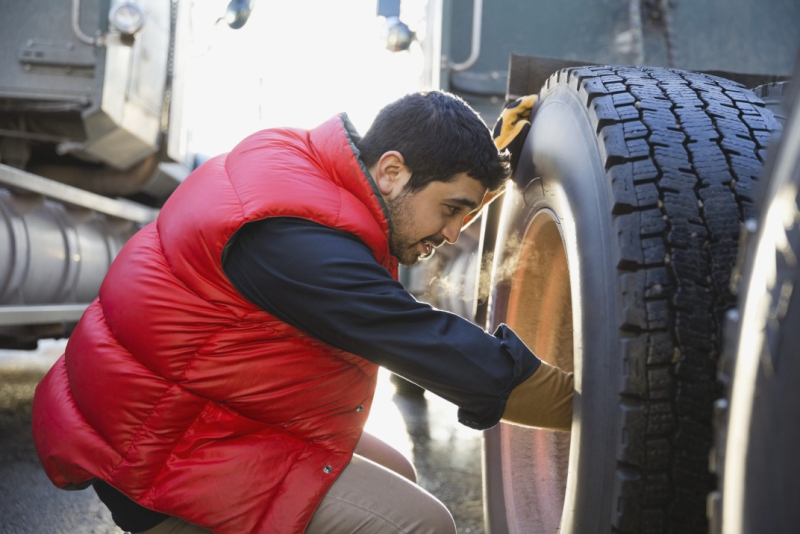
433 160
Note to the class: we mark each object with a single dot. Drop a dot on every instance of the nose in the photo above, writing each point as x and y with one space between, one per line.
452 231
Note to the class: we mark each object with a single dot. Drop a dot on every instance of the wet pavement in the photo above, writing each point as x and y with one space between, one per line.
425 429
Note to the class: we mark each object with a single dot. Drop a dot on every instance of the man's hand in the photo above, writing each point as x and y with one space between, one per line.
512 127
509 132
544 400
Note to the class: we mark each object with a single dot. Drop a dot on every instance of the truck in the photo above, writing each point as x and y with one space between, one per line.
616 252
92 142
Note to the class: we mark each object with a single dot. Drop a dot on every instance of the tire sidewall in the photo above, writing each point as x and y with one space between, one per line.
561 174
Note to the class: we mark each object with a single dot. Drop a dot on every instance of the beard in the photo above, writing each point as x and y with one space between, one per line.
403 245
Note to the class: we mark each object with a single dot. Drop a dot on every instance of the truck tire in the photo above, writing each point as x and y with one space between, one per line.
613 259
774 96
758 430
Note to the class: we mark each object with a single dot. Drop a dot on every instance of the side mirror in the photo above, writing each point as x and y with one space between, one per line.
238 12
396 36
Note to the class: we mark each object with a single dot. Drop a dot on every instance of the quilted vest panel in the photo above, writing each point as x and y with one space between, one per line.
183 395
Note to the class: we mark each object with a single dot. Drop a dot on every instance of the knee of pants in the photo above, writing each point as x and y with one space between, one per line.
441 520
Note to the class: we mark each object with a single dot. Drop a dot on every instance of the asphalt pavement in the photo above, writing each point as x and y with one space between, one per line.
425 429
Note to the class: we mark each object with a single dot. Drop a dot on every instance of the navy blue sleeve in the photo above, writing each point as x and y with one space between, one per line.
328 284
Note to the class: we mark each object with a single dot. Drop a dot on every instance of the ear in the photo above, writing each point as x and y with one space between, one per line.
390 173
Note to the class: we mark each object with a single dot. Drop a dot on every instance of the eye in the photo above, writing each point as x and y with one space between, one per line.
453 210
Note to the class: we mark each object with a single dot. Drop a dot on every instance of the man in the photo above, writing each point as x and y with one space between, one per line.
224 375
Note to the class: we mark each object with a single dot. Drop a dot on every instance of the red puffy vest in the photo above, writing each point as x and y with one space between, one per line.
180 393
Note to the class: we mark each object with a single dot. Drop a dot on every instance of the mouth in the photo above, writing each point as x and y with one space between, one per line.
427 248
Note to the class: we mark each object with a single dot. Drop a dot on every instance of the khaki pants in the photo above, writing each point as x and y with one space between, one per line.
376 493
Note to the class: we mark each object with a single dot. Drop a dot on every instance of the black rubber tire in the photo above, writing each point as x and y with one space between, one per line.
648 173
774 96
758 430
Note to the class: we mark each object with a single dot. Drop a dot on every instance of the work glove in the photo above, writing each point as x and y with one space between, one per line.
544 400
509 132
512 127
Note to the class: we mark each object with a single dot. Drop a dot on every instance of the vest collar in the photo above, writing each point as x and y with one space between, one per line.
353 137
335 144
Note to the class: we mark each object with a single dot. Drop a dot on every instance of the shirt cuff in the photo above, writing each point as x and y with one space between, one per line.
525 364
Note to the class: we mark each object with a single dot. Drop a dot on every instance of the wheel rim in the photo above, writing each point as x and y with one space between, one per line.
540 312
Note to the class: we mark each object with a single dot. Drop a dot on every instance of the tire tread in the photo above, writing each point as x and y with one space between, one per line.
682 152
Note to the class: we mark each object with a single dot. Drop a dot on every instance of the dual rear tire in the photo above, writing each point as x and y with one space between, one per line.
758 420
613 259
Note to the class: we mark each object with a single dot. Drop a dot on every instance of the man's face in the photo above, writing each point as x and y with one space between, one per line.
424 220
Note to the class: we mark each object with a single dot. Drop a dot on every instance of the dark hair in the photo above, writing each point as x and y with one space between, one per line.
439 136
